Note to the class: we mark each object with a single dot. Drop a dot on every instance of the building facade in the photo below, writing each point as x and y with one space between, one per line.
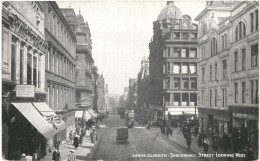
101 104
173 64
60 65
143 86
228 71
132 93
24 129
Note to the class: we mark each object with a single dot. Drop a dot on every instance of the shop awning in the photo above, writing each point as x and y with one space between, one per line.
50 115
87 115
180 111
35 118
93 113
78 114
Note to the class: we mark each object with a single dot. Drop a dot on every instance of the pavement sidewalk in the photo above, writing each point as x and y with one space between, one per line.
180 140
85 151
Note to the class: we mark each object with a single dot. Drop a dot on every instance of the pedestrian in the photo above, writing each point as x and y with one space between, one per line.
36 157
28 157
56 155
81 138
215 142
71 156
92 134
200 140
225 142
76 141
179 128
70 136
249 153
206 144
188 137
23 157
57 145
77 130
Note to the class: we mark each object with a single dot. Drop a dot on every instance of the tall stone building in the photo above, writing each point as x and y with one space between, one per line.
84 60
229 71
60 66
24 126
173 64
143 86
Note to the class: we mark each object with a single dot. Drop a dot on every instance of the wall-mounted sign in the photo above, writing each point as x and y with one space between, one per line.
25 90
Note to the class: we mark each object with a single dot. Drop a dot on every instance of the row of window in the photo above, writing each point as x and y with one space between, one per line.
59 31
241 91
29 67
224 71
214 97
240 27
237 66
181 99
183 36
60 95
180 68
178 52
180 83
59 64
240 32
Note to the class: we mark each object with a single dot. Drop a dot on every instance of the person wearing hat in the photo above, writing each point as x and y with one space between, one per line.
76 141
71 156
23 157
56 155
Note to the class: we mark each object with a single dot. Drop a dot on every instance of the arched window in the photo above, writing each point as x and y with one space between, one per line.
214 48
204 28
240 30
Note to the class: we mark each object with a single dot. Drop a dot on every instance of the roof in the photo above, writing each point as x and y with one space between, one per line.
169 11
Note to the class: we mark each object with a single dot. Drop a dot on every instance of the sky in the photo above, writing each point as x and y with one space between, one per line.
121 32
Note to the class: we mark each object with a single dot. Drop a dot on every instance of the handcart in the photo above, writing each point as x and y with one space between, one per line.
122 135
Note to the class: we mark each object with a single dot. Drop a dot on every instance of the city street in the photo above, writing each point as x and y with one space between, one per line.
143 144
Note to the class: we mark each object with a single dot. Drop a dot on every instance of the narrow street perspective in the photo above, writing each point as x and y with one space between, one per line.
130 80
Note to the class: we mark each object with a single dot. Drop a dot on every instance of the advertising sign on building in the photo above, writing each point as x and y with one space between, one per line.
25 90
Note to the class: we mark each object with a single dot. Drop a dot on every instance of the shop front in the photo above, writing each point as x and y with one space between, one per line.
214 121
28 131
245 127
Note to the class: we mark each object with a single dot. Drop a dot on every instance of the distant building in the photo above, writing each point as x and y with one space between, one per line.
173 65
132 93
229 71
143 86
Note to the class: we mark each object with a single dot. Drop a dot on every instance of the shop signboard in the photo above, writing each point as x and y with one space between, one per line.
25 91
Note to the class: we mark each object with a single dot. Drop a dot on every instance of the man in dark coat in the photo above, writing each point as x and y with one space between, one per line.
56 155
76 141
206 144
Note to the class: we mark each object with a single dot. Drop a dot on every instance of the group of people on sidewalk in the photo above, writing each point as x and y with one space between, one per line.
76 138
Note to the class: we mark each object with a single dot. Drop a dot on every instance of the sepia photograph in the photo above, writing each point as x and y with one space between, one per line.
130 80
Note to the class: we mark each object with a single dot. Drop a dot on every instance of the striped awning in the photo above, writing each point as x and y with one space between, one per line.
50 115
36 119
87 115
94 114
